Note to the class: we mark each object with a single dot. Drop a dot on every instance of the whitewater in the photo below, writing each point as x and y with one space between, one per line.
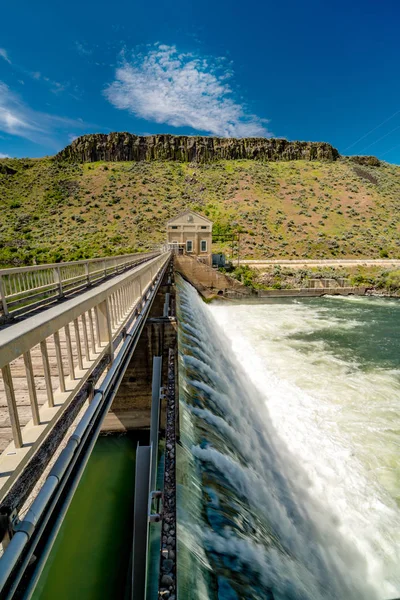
291 420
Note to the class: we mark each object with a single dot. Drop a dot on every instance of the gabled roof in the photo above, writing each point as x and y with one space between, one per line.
188 212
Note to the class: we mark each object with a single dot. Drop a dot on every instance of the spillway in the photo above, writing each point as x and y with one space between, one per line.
288 476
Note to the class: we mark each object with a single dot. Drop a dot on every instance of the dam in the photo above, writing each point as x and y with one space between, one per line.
243 449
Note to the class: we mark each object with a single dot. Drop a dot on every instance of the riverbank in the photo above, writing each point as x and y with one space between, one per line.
368 279
311 292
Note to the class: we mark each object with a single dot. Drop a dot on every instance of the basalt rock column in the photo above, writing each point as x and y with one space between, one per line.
128 147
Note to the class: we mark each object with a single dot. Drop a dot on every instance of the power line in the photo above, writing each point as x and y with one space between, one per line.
391 150
379 139
372 130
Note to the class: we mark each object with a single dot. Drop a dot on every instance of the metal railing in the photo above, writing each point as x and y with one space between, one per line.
23 289
57 491
46 359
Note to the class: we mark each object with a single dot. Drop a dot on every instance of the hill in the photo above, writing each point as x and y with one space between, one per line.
319 205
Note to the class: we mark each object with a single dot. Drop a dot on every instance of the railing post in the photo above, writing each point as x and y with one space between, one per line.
60 366
12 406
31 388
58 281
78 344
47 373
87 273
104 321
3 298
70 355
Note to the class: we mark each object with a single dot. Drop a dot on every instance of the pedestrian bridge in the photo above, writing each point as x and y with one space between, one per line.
69 332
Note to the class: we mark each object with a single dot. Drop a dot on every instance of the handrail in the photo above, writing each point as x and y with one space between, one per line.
23 336
52 354
73 262
76 452
23 289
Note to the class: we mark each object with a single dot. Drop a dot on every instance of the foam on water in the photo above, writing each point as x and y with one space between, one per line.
284 503
367 300
340 420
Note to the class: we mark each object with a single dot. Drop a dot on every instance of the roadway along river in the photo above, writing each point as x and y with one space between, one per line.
329 372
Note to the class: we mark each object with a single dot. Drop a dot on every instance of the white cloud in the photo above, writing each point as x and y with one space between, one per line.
82 49
4 155
16 118
3 54
55 86
182 90
58 87
13 118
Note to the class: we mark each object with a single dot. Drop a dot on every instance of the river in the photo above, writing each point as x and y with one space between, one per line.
290 421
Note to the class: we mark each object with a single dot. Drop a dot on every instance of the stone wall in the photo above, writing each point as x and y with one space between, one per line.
128 147
208 281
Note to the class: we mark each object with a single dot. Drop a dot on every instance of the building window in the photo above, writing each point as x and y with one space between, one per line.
189 246
204 227
174 226
203 246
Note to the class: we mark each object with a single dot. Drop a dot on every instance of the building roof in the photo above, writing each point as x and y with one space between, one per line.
188 212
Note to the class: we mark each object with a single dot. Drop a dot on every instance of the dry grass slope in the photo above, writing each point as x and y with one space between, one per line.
52 211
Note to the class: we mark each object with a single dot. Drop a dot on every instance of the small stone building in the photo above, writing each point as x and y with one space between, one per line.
191 234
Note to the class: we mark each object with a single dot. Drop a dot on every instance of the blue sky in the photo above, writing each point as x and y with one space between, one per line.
314 70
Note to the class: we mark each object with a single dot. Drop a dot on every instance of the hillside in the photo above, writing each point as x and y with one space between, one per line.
58 209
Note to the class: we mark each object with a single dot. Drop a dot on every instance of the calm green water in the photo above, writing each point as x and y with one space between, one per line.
90 558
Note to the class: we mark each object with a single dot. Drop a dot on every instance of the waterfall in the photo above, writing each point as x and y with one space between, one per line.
249 526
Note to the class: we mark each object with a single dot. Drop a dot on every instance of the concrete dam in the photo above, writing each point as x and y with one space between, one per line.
155 446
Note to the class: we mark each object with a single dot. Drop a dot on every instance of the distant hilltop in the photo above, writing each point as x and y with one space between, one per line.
128 147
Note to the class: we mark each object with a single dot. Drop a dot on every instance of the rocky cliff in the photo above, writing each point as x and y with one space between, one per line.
126 146
366 161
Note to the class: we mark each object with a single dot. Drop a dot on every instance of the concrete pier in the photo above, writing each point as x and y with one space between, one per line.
131 408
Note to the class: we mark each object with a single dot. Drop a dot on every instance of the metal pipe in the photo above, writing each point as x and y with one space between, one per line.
21 538
110 384
166 305
155 416
141 522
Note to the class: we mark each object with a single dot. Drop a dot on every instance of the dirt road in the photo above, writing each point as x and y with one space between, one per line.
330 262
